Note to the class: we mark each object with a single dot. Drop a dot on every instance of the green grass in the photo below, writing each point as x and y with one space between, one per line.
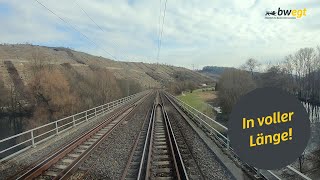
193 99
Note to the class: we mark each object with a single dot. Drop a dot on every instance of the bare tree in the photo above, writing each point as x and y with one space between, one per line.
276 76
305 62
232 85
251 65
38 61
52 94
298 74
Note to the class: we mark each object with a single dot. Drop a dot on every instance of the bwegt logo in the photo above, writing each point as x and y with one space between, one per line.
286 14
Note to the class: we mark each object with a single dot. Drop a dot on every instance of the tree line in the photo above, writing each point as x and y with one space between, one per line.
186 82
54 91
297 73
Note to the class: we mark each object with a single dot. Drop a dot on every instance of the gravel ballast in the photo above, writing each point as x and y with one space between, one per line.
109 160
23 161
207 161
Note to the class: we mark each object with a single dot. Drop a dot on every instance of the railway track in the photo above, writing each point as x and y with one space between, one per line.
133 169
160 150
192 168
156 154
62 163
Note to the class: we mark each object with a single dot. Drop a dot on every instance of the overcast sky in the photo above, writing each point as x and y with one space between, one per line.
200 32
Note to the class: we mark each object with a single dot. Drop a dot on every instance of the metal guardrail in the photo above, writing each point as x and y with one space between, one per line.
32 137
221 133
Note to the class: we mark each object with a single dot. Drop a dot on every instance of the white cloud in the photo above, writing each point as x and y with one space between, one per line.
195 32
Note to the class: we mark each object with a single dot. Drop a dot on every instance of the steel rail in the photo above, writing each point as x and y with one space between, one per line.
130 170
220 134
174 146
162 136
96 135
136 143
185 148
155 149
42 132
221 137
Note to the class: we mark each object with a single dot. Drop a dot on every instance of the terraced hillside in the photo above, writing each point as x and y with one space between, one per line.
148 75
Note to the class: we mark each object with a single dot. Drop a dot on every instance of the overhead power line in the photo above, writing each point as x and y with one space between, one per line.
75 29
88 15
161 32
85 12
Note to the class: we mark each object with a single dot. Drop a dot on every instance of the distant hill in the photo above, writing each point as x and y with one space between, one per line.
146 74
213 71
52 82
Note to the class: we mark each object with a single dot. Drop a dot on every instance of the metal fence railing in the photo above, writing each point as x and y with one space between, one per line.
220 132
18 143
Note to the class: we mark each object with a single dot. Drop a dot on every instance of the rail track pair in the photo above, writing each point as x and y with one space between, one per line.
63 162
156 154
